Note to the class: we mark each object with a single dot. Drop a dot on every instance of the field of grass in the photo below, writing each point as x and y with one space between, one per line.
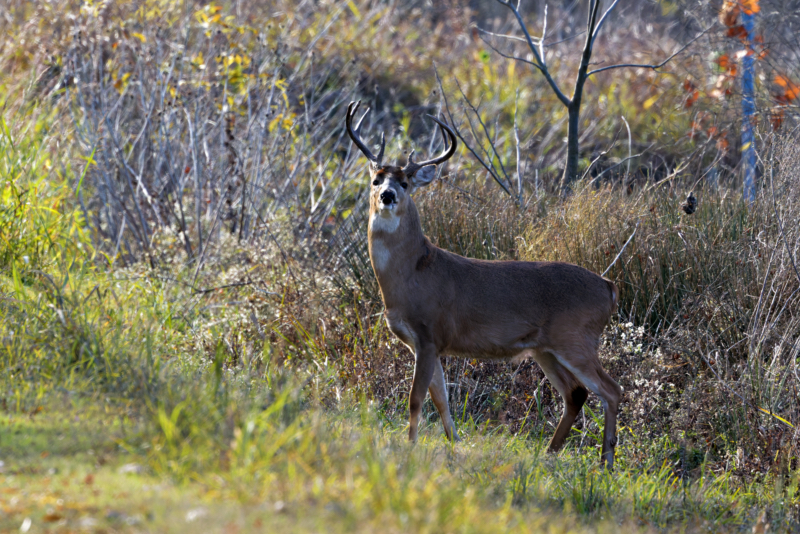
191 338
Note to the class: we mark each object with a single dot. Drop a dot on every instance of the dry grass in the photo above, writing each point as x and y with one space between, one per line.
223 325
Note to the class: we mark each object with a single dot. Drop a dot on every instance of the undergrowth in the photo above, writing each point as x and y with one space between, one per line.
176 307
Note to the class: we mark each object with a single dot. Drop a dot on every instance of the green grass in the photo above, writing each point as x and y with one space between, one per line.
107 367
163 397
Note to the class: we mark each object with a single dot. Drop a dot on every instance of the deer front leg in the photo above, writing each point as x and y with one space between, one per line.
424 367
438 390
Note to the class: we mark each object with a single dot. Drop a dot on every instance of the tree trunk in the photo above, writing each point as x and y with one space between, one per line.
573 148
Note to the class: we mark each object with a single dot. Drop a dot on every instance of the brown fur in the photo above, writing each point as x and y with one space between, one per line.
440 303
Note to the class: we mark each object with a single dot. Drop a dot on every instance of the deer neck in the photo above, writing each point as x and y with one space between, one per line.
396 245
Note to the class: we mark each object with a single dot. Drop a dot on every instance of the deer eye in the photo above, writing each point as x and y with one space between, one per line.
375 182
404 185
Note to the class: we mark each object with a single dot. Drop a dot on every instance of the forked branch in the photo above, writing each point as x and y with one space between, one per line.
536 46
538 58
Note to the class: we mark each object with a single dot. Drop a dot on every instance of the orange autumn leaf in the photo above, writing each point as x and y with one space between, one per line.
790 90
712 131
722 144
692 98
728 65
750 7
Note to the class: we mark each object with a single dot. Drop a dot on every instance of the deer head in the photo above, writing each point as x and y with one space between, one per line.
392 185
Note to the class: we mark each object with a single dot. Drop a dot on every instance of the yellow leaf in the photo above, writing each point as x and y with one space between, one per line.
776 416
354 9
274 123
650 101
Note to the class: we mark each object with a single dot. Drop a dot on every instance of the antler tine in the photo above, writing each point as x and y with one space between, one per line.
355 133
446 154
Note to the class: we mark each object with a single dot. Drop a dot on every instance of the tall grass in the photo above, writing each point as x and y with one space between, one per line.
199 306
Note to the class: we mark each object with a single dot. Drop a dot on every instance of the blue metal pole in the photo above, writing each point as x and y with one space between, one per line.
748 113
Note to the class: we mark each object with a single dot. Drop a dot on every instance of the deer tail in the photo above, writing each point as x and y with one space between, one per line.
612 287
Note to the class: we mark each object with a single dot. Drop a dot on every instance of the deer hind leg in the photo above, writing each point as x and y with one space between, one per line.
570 389
424 367
612 394
438 391
593 376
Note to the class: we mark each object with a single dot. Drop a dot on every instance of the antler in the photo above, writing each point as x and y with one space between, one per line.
412 167
355 134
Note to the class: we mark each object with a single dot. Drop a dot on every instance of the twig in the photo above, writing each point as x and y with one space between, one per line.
615 166
520 39
602 20
515 58
485 130
589 168
622 249
629 136
458 133
650 66
553 85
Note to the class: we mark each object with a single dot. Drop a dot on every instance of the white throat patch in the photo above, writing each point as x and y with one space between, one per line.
380 255
385 221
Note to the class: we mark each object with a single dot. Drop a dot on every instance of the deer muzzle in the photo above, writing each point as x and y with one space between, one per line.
388 198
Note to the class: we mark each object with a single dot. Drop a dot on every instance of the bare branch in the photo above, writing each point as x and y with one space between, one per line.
466 144
553 85
622 249
595 160
630 143
516 58
520 39
565 39
617 165
502 35
544 35
485 131
654 67
602 20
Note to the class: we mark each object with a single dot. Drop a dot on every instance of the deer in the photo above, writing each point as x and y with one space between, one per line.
441 304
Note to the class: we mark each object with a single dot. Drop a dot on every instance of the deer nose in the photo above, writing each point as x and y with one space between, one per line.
388 197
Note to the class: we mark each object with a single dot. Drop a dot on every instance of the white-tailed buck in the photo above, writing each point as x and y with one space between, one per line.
439 303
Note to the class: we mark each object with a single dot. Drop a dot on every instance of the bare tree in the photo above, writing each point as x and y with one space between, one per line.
573 104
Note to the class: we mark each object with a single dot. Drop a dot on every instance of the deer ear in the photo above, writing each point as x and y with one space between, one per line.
423 177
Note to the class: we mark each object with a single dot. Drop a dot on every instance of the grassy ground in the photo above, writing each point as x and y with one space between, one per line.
208 378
